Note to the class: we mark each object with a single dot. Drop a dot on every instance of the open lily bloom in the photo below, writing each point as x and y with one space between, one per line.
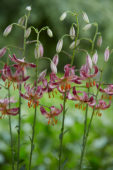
13 77
83 99
64 84
102 105
21 64
4 104
85 71
108 90
52 114
32 94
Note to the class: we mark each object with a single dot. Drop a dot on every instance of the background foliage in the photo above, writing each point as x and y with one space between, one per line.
99 150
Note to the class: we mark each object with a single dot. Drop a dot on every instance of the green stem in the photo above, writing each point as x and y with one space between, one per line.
62 132
33 129
76 38
89 126
19 129
93 42
11 138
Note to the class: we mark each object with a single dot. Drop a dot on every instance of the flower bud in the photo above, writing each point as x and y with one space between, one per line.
85 17
2 52
21 21
72 45
7 30
56 59
42 75
28 8
53 67
95 58
63 16
99 41
59 46
89 61
72 32
87 27
49 32
106 54
39 51
27 32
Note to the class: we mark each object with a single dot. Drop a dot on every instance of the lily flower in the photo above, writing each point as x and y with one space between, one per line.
64 84
32 94
52 114
4 104
21 64
108 90
85 71
14 78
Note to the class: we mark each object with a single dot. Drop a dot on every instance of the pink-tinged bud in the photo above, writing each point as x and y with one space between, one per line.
106 54
89 61
63 16
7 30
72 45
95 58
27 32
99 41
56 59
49 32
39 51
42 75
53 67
72 32
2 52
59 46
87 27
21 21
85 17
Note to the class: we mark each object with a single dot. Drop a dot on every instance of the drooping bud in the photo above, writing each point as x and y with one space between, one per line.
56 59
21 21
63 16
72 45
72 32
87 27
59 46
39 51
106 54
49 32
27 32
99 41
2 52
7 30
28 8
85 17
95 57
89 61
42 75
53 67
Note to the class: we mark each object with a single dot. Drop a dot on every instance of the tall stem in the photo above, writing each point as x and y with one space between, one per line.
89 126
76 38
62 132
33 129
19 121
11 137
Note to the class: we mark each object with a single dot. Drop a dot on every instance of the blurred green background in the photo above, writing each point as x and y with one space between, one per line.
99 152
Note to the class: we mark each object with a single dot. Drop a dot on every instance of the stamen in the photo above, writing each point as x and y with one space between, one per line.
94 83
87 84
110 97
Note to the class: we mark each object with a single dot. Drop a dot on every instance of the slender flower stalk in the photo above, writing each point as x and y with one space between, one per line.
88 128
33 128
10 129
62 132
76 38
19 121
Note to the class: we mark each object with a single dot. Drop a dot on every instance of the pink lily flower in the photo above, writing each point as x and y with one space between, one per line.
32 94
64 84
102 105
4 104
108 90
15 78
52 114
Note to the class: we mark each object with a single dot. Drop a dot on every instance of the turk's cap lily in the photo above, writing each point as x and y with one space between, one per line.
106 54
108 90
52 113
102 105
